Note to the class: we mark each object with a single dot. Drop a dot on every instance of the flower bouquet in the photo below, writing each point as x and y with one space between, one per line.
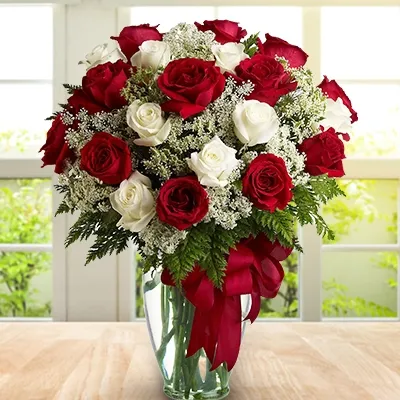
206 148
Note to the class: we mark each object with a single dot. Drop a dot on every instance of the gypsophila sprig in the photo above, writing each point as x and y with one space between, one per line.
282 146
217 118
142 85
304 108
206 148
185 41
151 235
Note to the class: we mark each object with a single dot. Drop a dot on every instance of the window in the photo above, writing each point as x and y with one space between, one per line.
25 197
359 270
356 275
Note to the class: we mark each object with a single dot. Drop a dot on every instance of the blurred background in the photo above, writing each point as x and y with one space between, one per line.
355 276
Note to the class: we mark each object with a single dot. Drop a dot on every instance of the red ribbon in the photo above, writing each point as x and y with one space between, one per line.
253 268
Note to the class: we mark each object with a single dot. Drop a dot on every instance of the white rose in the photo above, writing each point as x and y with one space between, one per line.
152 53
228 55
337 116
134 200
100 55
214 163
255 122
148 121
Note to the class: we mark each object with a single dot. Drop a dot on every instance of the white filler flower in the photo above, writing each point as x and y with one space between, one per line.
148 121
100 55
134 200
337 116
255 122
228 56
152 53
214 163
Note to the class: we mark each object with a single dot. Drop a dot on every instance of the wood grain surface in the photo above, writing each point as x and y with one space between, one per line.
278 361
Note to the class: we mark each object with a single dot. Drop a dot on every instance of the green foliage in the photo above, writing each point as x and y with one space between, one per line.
109 237
279 225
250 44
142 86
306 208
71 88
25 217
190 251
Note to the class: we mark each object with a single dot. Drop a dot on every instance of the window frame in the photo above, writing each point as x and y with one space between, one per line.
69 14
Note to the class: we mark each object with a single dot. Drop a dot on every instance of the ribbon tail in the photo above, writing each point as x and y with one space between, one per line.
229 335
198 335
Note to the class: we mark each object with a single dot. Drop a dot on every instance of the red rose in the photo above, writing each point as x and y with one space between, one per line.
267 183
56 150
182 202
131 37
324 153
107 158
191 84
271 82
334 91
80 100
103 84
274 46
225 31
66 154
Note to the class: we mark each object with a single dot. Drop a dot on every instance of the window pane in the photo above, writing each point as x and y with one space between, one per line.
25 211
284 22
367 215
27 42
22 125
377 132
286 304
139 289
366 46
168 17
25 284
359 284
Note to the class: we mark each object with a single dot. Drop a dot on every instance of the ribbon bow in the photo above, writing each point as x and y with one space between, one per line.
252 268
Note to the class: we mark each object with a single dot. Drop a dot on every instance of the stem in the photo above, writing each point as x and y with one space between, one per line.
177 320
211 379
223 375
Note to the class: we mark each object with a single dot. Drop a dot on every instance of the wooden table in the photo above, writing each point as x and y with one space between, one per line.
285 361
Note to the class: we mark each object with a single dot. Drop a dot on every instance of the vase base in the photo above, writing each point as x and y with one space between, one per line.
179 395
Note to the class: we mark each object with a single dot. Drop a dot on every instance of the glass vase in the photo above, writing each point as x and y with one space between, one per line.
169 317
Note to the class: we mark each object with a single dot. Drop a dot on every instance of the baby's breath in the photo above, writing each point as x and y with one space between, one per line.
283 147
86 193
227 206
303 109
185 40
157 236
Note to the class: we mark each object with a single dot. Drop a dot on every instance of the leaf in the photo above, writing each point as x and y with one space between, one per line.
150 285
250 44
62 208
278 225
189 252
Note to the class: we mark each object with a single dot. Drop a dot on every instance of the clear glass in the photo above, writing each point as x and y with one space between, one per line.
19 25
359 284
23 133
347 53
169 319
169 16
25 277
374 136
267 19
367 215
25 284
